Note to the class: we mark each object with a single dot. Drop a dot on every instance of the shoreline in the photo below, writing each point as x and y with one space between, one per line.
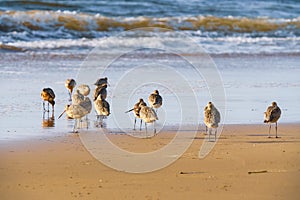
52 132
243 164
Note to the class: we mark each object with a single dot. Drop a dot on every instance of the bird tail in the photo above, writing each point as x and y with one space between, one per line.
129 110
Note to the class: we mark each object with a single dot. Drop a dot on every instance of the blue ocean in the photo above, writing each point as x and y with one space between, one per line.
229 26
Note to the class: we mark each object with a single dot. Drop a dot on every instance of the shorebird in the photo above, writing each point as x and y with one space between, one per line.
155 100
136 111
70 84
102 109
100 90
84 89
148 115
272 115
75 111
48 95
81 106
101 81
211 118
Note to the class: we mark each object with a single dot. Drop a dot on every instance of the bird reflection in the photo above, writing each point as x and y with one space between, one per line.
48 121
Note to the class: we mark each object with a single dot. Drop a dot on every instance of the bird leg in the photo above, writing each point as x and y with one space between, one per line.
70 99
146 129
276 129
141 124
75 126
269 130
209 130
154 130
48 107
101 121
134 123
205 129
215 134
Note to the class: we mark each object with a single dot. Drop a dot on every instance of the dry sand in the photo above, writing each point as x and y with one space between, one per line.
61 168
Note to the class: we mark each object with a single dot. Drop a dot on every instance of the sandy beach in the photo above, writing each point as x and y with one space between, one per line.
244 164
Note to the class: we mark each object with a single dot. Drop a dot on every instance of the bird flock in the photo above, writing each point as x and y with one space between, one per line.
80 106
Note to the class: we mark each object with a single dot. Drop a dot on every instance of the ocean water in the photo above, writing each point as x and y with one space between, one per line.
220 27
254 45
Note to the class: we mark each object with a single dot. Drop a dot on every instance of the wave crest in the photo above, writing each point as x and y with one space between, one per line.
52 20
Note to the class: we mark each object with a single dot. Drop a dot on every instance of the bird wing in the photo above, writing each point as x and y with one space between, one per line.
207 114
148 114
77 98
217 116
268 113
100 91
106 107
76 111
275 114
50 92
151 99
87 104
158 100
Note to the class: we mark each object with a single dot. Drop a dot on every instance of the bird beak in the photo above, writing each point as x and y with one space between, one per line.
61 114
129 110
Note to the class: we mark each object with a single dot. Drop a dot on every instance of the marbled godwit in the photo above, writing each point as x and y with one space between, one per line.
148 115
102 108
272 115
81 107
100 90
75 111
155 100
101 81
48 95
136 111
211 118
84 89
70 84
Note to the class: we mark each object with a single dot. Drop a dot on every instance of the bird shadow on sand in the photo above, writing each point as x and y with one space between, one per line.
271 141
263 139
203 137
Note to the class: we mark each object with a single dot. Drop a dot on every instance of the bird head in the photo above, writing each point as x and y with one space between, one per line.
274 103
210 105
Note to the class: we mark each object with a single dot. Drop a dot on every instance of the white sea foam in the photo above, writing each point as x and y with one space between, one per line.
213 45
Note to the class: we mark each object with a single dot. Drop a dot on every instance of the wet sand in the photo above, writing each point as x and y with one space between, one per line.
245 164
